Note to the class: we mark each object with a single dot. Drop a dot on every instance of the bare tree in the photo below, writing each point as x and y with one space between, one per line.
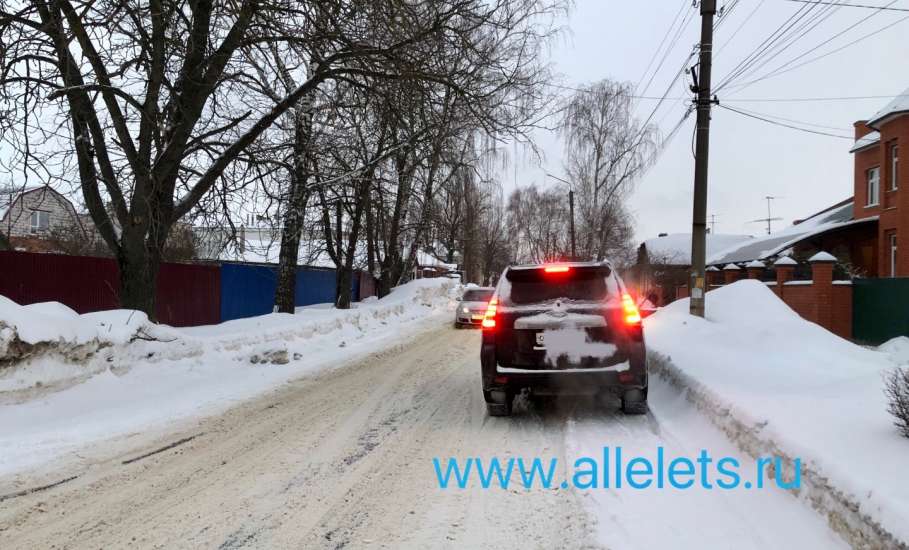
606 152
538 224
149 104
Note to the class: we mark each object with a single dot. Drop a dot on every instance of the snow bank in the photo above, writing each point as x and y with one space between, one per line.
777 383
51 405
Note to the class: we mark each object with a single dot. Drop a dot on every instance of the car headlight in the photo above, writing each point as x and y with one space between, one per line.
464 309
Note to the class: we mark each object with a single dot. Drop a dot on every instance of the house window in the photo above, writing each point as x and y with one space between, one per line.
893 254
874 187
40 221
894 166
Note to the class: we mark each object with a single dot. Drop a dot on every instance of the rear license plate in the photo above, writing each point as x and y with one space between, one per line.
477 317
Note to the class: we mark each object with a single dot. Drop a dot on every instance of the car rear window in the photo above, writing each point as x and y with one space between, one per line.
587 284
477 295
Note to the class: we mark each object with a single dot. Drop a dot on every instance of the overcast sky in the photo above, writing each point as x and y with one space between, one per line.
749 159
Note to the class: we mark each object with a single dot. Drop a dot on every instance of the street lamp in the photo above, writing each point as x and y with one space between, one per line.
574 252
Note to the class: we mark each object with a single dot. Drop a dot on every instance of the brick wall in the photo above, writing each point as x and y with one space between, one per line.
820 300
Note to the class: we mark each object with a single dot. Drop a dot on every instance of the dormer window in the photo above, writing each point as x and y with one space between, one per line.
874 187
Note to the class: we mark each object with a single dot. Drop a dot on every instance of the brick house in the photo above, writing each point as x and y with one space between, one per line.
31 217
879 181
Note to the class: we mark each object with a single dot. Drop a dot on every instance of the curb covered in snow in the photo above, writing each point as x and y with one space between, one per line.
842 512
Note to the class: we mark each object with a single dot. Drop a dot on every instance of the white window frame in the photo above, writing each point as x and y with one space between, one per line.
34 221
893 254
894 166
873 177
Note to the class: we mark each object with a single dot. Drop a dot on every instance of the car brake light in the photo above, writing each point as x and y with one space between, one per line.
489 320
632 315
556 269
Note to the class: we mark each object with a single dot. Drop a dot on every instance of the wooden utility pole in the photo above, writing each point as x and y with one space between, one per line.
696 286
574 250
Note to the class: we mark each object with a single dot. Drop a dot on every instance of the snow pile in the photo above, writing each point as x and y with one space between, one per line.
51 326
777 383
50 406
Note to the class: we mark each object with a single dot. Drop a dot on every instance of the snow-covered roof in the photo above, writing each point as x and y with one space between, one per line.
785 260
899 105
866 141
755 263
731 267
761 248
675 249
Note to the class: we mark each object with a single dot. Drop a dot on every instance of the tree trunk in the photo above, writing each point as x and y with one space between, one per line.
298 196
4 242
138 279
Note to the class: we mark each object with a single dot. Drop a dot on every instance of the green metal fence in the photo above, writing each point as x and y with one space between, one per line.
880 309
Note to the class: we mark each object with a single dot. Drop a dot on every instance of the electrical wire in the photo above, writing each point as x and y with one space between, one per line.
660 47
790 126
783 68
851 5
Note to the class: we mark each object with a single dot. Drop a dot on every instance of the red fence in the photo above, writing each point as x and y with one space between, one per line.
188 294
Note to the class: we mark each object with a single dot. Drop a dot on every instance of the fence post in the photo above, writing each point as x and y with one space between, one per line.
731 273
822 275
713 276
785 267
755 269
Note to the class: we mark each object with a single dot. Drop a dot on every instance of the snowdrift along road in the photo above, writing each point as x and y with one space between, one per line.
778 383
86 378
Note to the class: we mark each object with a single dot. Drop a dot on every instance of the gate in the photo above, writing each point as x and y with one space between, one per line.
880 309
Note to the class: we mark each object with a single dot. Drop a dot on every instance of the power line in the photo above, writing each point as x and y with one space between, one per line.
790 35
790 126
782 69
660 47
794 121
739 28
751 99
785 43
768 42
888 8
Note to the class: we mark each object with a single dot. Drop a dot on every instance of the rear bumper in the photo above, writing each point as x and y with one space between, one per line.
467 320
578 381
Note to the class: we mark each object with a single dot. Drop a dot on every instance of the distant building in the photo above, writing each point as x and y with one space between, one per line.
663 263
35 218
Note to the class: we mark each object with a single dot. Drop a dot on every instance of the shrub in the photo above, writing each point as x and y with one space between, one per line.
896 387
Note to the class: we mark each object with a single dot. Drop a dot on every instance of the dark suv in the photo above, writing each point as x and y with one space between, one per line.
568 328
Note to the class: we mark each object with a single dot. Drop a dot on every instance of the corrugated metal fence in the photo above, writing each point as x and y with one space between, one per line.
249 290
188 294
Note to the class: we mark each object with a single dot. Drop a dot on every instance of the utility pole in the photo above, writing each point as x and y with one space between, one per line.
696 286
574 251
712 224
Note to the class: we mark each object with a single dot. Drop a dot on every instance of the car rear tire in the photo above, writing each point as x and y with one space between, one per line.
498 403
634 402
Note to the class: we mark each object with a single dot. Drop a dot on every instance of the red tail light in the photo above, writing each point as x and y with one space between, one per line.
556 269
631 313
489 320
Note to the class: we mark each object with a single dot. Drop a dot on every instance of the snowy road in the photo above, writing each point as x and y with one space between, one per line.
343 460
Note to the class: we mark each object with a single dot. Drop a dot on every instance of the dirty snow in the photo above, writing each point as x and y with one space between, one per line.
815 395
51 405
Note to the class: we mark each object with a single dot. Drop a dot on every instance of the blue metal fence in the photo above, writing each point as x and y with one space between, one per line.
249 290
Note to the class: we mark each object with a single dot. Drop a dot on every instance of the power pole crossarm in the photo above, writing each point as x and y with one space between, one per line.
704 101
